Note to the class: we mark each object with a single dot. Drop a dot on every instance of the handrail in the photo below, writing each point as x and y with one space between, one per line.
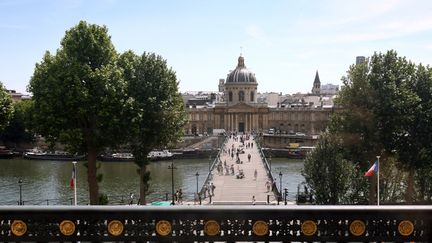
268 169
217 223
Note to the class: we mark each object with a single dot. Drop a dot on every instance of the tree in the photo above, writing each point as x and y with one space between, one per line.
19 128
400 113
355 126
327 173
157 116
6 108
80 95
386 110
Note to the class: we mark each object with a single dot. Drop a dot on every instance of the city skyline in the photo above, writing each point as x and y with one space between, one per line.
283 42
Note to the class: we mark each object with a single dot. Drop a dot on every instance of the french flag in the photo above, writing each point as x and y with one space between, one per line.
372 169
72 181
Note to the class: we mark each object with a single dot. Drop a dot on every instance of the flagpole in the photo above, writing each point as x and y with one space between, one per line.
378 174
75 185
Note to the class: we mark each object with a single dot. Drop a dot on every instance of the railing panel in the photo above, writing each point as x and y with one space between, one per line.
217 223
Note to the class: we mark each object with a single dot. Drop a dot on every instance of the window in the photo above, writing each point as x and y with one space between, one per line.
230 96
241 96
252 96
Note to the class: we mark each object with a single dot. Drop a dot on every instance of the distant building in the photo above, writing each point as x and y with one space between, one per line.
360 59
329 89
316 89
239 108
16 96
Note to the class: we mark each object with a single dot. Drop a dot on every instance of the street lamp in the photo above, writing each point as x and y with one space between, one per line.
171 167
20 191
197 180
280 182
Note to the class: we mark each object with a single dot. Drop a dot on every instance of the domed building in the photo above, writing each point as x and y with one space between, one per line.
239 109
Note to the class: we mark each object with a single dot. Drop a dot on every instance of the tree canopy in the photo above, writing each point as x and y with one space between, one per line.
79 95
157 110
385 109
6 107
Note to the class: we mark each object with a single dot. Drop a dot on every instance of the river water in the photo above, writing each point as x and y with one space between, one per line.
47 182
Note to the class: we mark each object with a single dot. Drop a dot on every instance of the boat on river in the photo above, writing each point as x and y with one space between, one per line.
35 154
117 157
6 153
155 155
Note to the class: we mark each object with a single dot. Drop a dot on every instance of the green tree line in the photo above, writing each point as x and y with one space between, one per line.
384 109
89 97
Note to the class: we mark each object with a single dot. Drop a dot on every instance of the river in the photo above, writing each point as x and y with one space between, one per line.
47 182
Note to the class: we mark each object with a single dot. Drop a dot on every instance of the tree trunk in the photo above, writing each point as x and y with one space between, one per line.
91 177
409 196
143 184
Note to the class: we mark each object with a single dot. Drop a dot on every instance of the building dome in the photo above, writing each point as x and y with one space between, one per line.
241 74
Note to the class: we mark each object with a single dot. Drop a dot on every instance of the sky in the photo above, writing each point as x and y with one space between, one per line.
283 42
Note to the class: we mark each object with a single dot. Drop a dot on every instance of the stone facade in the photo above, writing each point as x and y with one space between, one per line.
238 110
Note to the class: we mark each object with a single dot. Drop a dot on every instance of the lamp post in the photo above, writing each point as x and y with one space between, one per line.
20 191
280 182
171 167
197 180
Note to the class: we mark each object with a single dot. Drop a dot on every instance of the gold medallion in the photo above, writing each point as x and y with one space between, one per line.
18 227
115 227
357 227
163 228
211 228
406 228
260 228
308 227
67 227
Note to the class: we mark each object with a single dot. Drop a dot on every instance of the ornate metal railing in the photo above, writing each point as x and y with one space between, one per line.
217 223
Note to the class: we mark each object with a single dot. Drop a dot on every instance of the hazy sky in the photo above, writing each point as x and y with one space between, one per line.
283 42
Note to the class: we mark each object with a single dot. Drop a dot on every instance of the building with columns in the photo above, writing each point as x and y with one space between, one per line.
236 108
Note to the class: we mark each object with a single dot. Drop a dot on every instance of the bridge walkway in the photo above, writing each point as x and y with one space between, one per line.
231 190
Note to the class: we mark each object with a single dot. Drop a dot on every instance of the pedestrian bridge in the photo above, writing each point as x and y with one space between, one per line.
233 189
216 223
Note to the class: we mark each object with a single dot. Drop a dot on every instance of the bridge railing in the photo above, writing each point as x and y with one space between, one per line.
216 223
276 190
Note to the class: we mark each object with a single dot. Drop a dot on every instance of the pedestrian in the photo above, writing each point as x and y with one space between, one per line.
131 199
268 185
255 174
249 157
180 196
196 198
253 200
176 197
213 187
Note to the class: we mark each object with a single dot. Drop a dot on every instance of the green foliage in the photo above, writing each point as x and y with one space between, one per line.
103 199
80 95
387 110
18 130
327 173
157 114
6 107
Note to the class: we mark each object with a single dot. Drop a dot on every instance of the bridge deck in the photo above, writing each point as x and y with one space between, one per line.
229 189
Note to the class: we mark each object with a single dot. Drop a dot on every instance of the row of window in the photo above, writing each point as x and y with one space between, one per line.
241 96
